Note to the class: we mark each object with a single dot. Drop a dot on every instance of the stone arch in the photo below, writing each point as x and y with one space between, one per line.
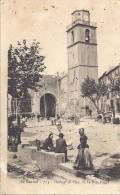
48 105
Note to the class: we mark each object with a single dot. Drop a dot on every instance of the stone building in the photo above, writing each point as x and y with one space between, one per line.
82 60
45 100
112 100
62 94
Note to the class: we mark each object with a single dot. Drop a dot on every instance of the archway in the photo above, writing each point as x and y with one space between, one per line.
48 105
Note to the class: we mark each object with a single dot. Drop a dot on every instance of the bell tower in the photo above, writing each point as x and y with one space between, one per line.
82 56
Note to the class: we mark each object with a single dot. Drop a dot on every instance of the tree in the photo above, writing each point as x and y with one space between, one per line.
93 90
25 65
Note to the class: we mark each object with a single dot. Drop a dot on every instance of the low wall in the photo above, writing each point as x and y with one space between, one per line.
49 161
46 161
26 154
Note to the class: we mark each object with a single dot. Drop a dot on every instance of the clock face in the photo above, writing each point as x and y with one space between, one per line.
85 17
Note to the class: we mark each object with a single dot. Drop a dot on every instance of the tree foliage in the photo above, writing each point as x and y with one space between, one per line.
93 90
25 67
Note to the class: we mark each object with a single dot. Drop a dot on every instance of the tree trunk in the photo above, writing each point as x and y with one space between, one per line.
97 108
95 104
17 114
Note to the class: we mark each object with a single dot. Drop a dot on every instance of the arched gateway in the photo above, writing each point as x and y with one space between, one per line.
47 105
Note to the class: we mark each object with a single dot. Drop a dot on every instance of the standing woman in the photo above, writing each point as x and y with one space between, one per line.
84 158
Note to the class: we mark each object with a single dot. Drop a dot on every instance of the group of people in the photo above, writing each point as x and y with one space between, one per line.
61 145
83 159
15 128
14 133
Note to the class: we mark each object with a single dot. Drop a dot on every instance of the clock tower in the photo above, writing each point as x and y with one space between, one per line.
82 57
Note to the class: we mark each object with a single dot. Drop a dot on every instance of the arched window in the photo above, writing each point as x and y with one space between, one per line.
87 35
72 34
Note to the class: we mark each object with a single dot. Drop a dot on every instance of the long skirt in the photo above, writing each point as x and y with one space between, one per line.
83 159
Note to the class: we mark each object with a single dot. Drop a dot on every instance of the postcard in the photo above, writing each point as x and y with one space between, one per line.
60 97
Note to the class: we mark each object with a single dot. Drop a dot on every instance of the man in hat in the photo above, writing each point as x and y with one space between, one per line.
61 146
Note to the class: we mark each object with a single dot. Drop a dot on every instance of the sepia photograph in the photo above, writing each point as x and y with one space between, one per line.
60 97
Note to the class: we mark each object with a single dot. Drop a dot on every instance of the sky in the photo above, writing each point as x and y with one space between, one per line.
46 21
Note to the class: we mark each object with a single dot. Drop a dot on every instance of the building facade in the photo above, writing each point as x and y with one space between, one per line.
43 101
110 102
46 100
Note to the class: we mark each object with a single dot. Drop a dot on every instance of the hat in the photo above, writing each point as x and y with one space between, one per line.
81 130
61 135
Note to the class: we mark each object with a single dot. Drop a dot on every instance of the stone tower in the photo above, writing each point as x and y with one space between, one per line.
82 57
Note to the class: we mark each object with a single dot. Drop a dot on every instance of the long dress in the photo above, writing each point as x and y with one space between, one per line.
84 158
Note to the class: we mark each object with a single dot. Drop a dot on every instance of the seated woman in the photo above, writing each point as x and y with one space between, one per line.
48 144
84 159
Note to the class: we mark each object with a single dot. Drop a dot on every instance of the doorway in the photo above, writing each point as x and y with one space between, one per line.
48 105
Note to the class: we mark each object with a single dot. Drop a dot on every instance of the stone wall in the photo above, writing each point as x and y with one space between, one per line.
46 161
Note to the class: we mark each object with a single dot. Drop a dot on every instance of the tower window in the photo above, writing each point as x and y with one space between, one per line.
72 33
87 35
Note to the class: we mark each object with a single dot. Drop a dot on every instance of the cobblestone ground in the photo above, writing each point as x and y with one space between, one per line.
103 139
